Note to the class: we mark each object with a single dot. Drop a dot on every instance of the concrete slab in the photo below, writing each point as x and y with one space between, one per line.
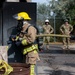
56 64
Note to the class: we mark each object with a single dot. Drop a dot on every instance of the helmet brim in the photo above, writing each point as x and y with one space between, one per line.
17 17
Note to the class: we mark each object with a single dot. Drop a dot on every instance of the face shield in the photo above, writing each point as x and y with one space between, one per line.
17 17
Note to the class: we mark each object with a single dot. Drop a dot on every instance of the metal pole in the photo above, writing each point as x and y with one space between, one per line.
54 29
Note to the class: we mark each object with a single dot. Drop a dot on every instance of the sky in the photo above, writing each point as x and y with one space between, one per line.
40 1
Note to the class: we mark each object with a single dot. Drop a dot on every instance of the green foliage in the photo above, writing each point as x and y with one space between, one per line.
63 9
42 8
70 12
41 13
51 39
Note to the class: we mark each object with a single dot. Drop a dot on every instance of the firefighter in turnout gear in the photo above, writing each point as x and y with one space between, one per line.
66 29
27 38
48 29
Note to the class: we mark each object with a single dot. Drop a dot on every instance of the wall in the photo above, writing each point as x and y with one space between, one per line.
9 24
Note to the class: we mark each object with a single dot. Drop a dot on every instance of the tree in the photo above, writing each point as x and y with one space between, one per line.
41 12
66 9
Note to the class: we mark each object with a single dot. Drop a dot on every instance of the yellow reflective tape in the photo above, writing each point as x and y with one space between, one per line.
25 51
33 47
24 42
17 38
35 51
7 47
32 68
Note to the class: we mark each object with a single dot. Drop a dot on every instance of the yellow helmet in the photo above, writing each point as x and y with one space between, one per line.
23 15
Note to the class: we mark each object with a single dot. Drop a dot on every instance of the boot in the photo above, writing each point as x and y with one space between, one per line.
68 49
64 48
47 47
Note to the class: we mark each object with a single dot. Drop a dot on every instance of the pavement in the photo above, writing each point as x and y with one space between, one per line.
55 62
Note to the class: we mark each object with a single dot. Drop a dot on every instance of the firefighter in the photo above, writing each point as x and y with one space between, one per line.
28 41
66 29
48 29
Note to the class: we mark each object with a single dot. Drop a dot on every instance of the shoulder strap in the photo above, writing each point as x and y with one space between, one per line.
27 29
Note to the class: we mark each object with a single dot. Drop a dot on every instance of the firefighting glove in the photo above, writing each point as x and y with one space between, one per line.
18 43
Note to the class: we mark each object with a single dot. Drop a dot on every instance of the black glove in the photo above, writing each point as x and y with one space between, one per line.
13 36
9 42
18 43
